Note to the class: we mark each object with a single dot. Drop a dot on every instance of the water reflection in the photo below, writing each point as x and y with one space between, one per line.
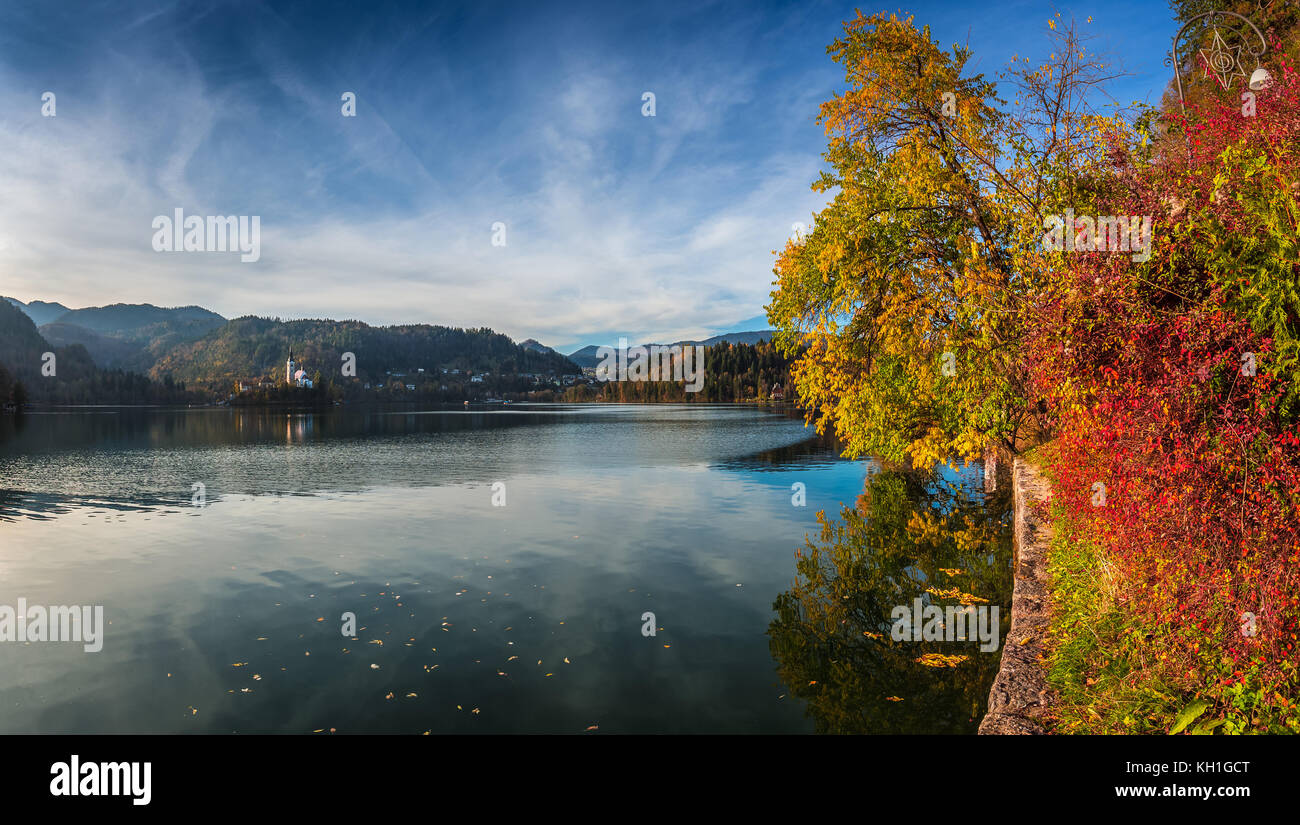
909 533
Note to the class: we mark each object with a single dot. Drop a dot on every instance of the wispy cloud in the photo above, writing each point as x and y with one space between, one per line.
655 228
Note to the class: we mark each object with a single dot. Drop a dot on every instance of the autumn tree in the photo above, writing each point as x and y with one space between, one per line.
905 303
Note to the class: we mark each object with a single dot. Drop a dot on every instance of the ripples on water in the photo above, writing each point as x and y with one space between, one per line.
682 510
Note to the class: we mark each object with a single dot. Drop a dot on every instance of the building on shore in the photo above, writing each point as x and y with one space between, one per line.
295 375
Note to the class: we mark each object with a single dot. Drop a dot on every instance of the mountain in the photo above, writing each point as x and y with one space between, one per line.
21 345
107 351
589 357
22 355
751 337
585 357
533 345
144 322
250 348
129 336
39 311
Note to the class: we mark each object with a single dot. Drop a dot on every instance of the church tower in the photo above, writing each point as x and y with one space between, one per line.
288 369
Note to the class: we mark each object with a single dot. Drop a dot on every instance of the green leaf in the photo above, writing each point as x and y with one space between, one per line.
1207 727
1188 715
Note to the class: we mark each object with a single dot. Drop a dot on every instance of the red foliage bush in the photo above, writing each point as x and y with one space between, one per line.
1146 365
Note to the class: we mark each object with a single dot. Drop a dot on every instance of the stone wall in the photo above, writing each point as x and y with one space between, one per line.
1020 695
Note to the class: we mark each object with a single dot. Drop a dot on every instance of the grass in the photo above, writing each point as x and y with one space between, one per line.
1104 666
1114 674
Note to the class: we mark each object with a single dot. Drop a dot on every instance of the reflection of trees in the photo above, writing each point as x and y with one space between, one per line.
883 553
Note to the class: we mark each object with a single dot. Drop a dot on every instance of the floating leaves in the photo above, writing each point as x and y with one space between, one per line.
940 660
954 593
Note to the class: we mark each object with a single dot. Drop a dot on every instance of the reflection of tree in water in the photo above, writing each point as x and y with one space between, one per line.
831 637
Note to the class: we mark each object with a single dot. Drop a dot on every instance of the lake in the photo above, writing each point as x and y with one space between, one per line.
499 563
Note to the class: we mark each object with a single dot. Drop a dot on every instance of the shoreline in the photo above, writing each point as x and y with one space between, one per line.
1020 696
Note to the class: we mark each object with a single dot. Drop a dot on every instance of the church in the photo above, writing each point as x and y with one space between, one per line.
294 375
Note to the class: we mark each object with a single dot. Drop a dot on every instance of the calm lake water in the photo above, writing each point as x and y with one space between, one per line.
472 617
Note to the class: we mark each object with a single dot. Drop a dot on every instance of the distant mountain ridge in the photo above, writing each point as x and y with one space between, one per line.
533 345
39 311
588 356
195 345
251 348
126 336
141 321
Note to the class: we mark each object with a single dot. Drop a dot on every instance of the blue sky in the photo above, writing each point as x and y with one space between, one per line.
528 114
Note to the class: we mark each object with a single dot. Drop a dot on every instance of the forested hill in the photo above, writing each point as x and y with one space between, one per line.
251 348
73 377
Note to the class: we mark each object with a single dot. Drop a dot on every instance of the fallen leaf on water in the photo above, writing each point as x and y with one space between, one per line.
955 593
940 660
